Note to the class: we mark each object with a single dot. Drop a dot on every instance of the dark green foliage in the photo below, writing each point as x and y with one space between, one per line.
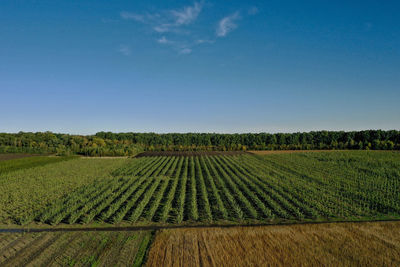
370 139
128 144
29 162
65 144
142 252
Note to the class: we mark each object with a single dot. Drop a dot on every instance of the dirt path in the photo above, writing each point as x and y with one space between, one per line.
161 227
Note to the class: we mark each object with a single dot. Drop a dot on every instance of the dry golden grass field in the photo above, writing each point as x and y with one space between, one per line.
333 244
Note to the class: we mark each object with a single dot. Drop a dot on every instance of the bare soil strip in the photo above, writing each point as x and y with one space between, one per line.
162 227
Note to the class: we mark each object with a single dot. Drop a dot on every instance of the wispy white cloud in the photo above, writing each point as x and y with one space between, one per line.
171 22
227 24
164 40
187 15
125 50
168 20
172 26
132 16
161 28
204 41
252 11
146 18
179 17
180 46
166 27
185 51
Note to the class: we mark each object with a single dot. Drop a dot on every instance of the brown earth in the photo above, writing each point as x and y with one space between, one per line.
344 244
188 153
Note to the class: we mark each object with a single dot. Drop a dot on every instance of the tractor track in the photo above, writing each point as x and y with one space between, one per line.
162 227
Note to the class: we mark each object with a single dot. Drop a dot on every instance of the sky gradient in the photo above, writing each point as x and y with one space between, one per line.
207 66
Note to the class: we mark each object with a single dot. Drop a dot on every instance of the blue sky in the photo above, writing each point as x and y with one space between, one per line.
199 66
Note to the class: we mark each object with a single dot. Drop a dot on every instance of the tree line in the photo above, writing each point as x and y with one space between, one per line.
122 144
66 144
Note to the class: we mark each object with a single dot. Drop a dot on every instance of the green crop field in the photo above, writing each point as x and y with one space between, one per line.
26 191
128 199
28 162
357 185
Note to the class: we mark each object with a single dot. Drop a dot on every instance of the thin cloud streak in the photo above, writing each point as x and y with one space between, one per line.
204 41
188 15
172 26
185 51
164 40
227 24
125 50
132 16
170 20
162 28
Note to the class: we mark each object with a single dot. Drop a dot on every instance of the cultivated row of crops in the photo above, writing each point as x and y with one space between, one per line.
175 189
26 192
82 248
364 184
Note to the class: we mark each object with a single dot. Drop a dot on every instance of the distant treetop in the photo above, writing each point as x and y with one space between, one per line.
124 144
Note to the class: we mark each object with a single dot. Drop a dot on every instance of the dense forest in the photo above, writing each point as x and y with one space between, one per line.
66 144
121 144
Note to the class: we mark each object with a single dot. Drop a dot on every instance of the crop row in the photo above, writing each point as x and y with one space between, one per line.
214 188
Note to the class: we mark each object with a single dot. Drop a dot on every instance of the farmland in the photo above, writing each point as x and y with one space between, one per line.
199 133
26 191
12 162
69 197
74 249
241 188
10 156
173 189
333 244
